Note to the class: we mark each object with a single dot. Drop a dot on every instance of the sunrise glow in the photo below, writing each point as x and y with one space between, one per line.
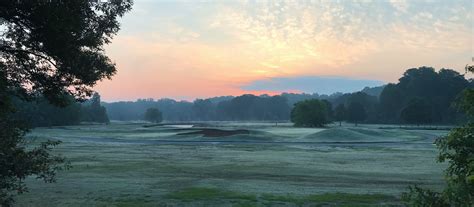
189 49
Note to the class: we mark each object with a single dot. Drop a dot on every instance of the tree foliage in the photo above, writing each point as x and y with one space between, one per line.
240 108
457 148
153 115
440 89
310 113
40 112
390 103
356 113
340 113
383 106
93 111
251 107
418 111
52 49
56 47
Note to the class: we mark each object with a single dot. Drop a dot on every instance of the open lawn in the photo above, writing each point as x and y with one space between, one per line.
235 164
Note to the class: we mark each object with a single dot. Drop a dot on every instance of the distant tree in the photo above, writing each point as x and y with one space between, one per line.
418 111
41 112
153 115
251 107
93 111
364 99
203 109
439 89
373 91
276 108
390 103
369 102
356 113
329 110
310 113
340 113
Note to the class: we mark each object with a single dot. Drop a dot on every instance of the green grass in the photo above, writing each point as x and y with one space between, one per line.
208 194
334 198
350 198
107 173
282 198
125 201
201 193
352 134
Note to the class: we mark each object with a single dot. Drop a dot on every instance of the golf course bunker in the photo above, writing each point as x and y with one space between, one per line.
208 132
361 135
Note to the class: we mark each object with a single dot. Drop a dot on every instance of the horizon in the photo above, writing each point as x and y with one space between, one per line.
188 50
266 92
210 97
236 103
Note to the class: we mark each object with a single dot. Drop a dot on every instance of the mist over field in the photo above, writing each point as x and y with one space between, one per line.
236 103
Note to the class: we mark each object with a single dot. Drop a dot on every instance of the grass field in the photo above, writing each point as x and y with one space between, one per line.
258 164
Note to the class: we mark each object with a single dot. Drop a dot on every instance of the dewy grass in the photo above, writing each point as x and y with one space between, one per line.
332 198
231 174
201 193
350 198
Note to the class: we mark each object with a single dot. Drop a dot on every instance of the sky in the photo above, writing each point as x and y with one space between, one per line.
198 49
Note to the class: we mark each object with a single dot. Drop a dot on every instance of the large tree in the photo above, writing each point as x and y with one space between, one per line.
49 48
390 104
417 111
356 113
92 111
340 113
153 115
439 89
457 148
310 113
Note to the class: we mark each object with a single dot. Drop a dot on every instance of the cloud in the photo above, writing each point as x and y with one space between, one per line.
311 84
289 34
196 49
400 5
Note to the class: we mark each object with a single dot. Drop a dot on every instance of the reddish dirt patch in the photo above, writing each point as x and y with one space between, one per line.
217 132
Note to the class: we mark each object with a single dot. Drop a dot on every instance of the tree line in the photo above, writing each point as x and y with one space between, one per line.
421 96
456 149
42 113
245 107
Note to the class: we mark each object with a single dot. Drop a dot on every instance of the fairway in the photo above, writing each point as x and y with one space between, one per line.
235 164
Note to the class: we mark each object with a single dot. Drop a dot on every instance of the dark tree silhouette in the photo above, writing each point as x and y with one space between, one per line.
356 113
418 111
153 115
329 110
310 113
51 48
439 89
391 101
340 113
457 149
204 110
92 111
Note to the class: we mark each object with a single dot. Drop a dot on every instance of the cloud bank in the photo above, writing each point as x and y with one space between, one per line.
207 48
312 84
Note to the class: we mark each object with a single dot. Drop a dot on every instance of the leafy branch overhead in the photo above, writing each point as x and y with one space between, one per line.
50 49
56 47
